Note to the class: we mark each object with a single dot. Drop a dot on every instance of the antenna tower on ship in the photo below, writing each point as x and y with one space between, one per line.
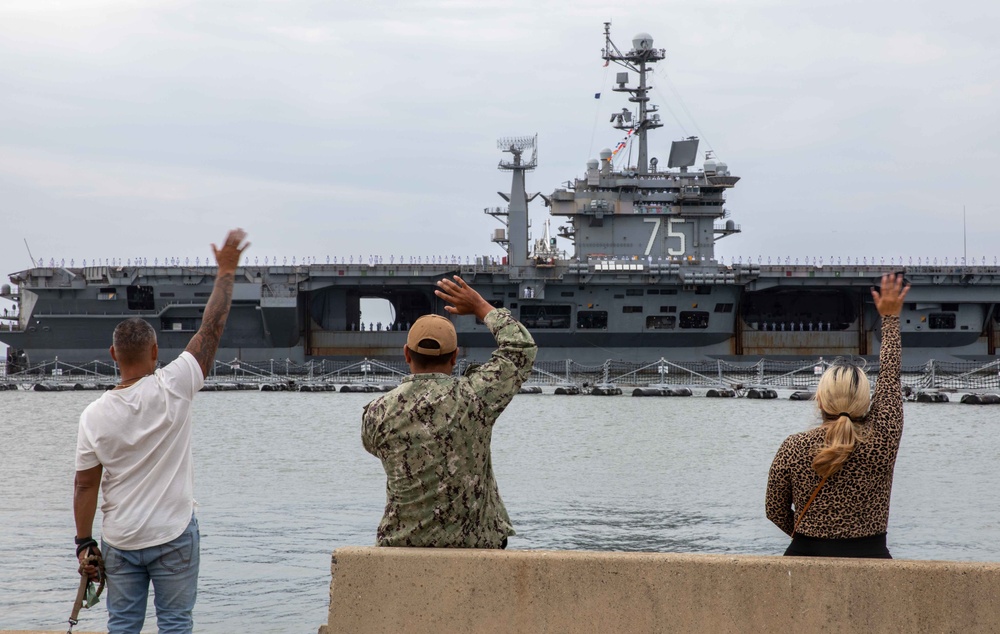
635 60
518 199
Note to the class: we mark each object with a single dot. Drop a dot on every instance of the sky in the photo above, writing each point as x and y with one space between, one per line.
148 128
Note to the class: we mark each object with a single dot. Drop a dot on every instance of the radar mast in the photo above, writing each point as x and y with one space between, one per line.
517 212
635 60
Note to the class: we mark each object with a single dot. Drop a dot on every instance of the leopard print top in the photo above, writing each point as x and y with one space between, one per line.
854 502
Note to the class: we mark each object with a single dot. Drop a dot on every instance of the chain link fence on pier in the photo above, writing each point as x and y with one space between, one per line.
325 374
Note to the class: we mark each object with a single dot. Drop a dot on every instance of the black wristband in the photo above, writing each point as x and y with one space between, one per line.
87 543
82 540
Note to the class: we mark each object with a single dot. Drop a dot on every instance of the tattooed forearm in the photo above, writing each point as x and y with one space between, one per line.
205 342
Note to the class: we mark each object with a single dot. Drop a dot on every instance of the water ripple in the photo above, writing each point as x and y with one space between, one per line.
282 480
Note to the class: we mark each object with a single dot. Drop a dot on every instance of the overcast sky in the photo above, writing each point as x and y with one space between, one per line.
148 127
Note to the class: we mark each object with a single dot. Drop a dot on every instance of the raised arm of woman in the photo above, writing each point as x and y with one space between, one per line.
887 404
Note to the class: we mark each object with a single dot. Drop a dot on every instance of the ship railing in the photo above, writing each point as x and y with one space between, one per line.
565 373
765 373
543 377
482 264
60 371
366 371
773 374
58 375
324 371
944 375
663 373
970 377
237 370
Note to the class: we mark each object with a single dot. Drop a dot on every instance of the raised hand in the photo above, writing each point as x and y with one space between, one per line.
464 299
228 257
889 297
205 343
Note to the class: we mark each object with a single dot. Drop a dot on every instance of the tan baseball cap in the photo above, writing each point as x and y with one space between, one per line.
436 328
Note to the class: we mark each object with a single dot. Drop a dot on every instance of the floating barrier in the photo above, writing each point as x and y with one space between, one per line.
220 387
273 387
61 387
720 393
605 390
761 392
93 386
571 390
981 399
361 388
532 389
801 396
785 376
662 391
51 387
317 387
650 391
932 397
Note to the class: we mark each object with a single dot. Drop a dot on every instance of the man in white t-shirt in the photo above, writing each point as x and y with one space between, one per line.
134 446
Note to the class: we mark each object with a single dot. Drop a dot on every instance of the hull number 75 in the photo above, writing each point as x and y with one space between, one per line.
671 222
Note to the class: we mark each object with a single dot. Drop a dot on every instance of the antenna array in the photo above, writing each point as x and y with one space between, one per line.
516 145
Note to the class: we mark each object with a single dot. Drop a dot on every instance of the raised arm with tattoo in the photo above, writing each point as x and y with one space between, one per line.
205 342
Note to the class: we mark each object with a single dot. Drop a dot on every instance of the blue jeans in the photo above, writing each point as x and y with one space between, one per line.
173 569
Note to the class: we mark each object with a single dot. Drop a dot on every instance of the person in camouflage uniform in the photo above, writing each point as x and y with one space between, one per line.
433 432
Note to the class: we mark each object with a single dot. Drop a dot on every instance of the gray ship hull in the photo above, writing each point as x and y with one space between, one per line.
308 313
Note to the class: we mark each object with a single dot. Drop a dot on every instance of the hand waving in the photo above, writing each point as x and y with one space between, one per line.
889 297
464 299
228 257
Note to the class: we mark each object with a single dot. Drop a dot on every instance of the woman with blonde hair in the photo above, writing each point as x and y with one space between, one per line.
829 487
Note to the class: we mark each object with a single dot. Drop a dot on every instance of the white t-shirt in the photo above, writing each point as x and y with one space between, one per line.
142 437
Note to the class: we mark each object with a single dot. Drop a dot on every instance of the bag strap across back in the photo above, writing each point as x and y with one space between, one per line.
806 507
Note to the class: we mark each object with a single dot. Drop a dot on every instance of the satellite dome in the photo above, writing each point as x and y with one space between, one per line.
593 164
722 168
642 42
711 167
5 290
730 225
606 153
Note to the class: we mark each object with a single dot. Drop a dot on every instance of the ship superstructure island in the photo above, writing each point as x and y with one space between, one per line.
640 281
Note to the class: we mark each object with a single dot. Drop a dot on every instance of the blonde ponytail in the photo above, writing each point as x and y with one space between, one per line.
841 436
843 396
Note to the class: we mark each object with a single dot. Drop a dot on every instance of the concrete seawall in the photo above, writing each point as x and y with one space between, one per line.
454 590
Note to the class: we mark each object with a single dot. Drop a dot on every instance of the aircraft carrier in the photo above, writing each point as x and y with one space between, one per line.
640 281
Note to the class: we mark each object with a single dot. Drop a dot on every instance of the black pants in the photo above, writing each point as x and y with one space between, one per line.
872 547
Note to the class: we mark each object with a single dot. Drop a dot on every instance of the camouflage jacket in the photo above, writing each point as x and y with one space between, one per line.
433 435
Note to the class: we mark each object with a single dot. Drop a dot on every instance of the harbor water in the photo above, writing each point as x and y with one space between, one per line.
282 480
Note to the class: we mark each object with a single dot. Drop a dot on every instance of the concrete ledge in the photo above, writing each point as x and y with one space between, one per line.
456 590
